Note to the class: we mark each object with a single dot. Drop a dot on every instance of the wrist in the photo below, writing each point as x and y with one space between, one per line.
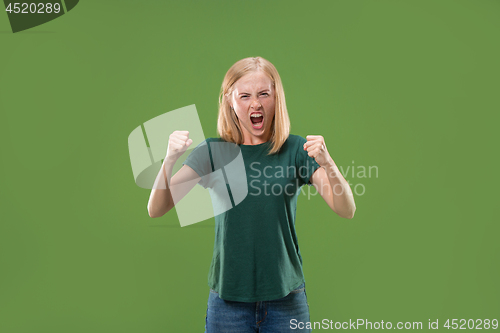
170 160
331 168
329 163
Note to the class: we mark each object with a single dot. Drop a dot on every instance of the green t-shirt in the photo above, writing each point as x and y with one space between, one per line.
256 254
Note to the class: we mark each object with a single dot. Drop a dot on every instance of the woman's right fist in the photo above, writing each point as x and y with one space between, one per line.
178 143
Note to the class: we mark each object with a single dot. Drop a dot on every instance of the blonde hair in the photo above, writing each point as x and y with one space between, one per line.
227 124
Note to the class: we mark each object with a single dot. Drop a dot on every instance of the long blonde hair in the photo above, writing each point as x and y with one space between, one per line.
227 123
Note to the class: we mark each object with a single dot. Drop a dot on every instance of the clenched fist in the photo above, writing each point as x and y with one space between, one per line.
316 148
178 143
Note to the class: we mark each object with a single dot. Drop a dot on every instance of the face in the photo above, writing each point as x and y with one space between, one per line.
253 102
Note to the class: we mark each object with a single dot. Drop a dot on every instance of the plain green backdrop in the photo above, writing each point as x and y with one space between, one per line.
410 87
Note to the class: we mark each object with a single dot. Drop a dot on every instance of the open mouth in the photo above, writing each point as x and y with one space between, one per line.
257 120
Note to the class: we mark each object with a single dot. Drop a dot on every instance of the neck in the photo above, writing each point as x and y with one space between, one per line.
250 140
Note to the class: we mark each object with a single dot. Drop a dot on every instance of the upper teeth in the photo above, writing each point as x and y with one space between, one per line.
255 115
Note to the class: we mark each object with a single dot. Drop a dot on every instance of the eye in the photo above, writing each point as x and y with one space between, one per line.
243 96
265 94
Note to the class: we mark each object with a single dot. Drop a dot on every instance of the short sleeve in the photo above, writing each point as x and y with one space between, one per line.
199 161
305 164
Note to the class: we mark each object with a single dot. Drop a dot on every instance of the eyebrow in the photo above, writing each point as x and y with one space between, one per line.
244 93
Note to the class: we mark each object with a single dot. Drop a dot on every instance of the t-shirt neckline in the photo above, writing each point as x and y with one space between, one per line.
254 146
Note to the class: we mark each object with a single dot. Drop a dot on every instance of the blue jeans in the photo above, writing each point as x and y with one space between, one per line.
276 316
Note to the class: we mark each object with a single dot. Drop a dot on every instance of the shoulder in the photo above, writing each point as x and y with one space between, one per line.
213 139
295 140
292 144
214 146
207 140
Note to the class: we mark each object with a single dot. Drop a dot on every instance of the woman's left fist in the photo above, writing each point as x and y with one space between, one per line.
316 148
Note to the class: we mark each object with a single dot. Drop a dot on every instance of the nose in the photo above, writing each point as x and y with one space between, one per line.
256 104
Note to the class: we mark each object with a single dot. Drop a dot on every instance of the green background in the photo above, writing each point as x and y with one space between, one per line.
410 87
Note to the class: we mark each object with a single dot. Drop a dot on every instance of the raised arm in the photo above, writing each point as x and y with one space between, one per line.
167 186
328 180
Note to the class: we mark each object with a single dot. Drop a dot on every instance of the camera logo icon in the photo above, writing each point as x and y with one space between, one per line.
226 182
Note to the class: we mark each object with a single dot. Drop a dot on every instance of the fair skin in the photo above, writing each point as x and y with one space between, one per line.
165 187
328 180
253 94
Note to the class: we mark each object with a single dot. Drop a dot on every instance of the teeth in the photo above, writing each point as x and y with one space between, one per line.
255 115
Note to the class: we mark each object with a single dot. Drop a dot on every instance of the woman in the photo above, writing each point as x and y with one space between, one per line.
255 278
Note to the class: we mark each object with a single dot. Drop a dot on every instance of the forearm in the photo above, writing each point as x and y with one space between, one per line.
160 200
343 200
